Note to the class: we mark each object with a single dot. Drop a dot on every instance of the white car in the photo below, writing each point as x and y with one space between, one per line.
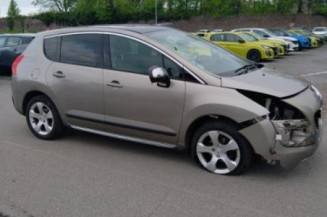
320 31
292 43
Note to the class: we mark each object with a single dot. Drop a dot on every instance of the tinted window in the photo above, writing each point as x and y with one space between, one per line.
262 34
132 56
217 37
232 38
2 41
51 48
13 41
81 49
26 40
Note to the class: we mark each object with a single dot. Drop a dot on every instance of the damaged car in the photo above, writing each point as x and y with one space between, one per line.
164 87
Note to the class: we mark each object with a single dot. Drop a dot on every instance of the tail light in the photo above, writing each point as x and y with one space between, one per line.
15 64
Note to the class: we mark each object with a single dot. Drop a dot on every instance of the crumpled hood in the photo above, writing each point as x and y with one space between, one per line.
267 81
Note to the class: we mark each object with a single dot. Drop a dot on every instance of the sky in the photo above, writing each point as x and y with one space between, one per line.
25 7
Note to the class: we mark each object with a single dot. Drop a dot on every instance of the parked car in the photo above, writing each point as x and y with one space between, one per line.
202 32
243 45
11 45
320 31
140 83
279 44
313 40
304 41
320 39
292 44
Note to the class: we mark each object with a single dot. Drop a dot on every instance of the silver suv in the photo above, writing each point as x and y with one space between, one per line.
167 88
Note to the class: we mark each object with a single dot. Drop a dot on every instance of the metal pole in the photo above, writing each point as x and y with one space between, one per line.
156 12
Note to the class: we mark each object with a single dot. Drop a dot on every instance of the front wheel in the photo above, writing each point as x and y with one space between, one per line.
220 149
43 119
254 55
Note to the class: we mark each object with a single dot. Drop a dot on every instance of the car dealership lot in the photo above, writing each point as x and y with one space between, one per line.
89 175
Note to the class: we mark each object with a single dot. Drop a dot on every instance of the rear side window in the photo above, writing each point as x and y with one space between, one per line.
13 41
26 40
51 48
217 37
81 49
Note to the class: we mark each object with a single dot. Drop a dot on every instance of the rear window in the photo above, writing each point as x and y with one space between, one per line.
81 49
51 48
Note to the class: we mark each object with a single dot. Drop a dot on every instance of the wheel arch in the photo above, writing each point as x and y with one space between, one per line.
200 121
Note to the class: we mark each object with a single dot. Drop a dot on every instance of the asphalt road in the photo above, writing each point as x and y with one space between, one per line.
87 175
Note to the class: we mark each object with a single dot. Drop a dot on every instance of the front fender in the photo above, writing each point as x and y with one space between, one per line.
204 100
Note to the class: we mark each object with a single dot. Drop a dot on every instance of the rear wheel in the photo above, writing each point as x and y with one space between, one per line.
254 55
43 119
220 149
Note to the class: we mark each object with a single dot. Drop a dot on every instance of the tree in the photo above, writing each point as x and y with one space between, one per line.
13 14
60 5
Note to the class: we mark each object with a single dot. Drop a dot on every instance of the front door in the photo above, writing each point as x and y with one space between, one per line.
133 105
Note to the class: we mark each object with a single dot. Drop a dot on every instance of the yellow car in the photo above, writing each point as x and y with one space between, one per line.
239 43
314 40
279 44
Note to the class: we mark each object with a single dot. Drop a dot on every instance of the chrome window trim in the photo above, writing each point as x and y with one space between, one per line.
136 39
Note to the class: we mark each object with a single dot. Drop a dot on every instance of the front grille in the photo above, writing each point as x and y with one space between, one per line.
275 51
285 48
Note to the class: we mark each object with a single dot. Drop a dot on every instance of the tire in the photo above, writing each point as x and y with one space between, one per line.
254 55
43 118
219 148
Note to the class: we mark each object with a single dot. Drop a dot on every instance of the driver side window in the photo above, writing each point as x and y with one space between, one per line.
129 55
132 56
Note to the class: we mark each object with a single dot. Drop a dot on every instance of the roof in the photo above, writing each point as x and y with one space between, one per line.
138 28
20 35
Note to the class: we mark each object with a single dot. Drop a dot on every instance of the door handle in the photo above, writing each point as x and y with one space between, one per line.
114 84
59 74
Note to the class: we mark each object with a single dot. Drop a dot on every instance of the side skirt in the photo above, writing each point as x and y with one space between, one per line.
126 138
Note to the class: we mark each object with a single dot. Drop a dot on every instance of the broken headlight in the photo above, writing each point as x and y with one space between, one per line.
289 122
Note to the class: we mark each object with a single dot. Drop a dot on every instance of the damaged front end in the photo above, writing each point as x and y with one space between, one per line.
297 125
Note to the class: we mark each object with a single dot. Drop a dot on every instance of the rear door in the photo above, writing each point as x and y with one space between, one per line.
76 78
133 105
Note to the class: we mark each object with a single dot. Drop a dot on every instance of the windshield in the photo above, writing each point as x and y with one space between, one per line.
199 52
248 37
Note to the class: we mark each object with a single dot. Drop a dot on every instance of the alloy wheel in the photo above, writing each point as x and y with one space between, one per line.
218 152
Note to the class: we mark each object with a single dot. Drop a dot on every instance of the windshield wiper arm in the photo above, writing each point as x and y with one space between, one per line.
246 68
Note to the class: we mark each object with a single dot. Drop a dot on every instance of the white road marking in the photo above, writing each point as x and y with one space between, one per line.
314 74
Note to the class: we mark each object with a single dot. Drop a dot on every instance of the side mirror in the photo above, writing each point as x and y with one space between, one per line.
160 76
241 41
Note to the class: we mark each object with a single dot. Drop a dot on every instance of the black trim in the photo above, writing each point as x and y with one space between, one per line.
251 122
121 125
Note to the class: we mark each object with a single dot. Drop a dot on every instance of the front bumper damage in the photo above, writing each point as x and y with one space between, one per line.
289 141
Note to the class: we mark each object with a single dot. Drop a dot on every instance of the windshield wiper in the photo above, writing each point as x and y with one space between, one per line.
245 69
